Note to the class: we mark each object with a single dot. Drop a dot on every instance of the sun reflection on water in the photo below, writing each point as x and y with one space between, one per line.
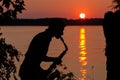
82 58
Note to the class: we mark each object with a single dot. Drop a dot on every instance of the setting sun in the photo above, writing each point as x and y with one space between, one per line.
82 15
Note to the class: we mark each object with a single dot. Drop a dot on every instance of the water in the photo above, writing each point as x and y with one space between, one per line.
86 44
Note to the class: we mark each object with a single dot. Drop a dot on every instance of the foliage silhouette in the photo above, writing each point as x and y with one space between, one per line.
8 56
116 4
9 8
8 53
110 27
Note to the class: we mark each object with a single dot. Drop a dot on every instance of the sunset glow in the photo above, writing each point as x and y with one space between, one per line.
82 15
65 9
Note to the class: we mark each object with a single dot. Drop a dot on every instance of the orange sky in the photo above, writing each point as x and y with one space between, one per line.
69 9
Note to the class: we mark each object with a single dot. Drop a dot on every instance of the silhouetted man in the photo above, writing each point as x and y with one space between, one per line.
37 51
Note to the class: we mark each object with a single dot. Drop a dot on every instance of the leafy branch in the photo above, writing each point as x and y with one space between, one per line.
8 56
116 4
9 8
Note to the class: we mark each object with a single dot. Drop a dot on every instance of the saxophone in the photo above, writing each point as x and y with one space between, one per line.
53 66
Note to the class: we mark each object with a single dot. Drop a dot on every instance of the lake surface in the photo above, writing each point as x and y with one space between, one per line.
86 44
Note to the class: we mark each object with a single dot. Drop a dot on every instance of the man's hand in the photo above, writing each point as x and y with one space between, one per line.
58 61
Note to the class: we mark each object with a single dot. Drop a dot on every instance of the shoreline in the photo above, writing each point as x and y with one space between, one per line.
45 21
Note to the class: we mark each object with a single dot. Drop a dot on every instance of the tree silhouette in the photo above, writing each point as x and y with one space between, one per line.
8 53
116 4
10 8
8 56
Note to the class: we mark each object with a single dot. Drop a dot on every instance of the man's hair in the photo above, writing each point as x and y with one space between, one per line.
56 23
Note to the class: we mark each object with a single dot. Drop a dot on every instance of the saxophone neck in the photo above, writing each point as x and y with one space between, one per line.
66 48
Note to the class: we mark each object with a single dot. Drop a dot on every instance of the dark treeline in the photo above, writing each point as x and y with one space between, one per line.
92 21
44 22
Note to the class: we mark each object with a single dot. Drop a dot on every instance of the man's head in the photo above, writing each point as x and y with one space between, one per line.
56 26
